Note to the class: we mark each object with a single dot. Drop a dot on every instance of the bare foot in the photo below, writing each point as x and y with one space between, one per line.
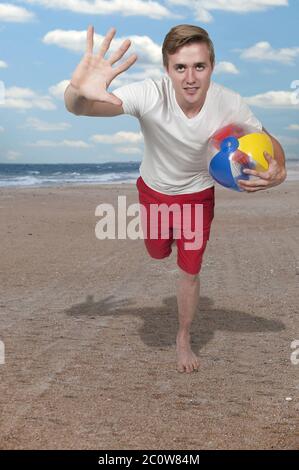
187 360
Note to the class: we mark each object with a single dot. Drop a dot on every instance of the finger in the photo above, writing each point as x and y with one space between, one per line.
247 171
106 42
110 98
252 184
263 175
259 188
248 189
120 52
89 39
253 190
128 63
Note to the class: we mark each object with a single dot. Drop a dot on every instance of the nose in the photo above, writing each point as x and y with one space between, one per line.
190 77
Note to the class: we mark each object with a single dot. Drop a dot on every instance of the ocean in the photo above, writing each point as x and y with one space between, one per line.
37 175
67 174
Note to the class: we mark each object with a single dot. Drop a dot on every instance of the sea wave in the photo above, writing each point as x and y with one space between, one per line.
16 175
64 180
53 175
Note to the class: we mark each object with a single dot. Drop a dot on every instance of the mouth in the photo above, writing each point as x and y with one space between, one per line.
191 90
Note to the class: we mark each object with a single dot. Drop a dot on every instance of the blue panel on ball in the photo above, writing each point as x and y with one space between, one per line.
220 170
229 144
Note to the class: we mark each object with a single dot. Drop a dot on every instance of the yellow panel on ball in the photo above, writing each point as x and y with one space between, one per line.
255 145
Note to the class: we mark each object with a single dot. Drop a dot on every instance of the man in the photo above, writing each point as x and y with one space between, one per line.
177 114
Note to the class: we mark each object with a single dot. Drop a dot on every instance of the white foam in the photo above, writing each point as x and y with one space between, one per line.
75 178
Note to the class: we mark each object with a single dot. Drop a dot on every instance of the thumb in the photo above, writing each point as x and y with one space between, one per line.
110 98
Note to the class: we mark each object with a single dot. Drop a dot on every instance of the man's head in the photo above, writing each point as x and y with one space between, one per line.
182 35
188 58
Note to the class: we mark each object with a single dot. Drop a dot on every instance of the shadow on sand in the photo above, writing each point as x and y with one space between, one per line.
160 324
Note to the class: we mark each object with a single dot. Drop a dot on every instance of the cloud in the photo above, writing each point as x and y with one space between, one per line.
293 127
118 138
263 51
150 9
1 129
58 90
137 75
13 14
63 143
25 98
147 50
129 150
3 65
272 99
202 15
202 8
12 155
42 126
226 67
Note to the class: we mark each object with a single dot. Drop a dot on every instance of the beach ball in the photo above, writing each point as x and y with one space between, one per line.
234 148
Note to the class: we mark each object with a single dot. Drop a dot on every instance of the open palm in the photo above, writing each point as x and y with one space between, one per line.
94 73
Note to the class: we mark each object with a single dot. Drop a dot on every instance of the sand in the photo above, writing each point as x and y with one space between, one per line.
89 328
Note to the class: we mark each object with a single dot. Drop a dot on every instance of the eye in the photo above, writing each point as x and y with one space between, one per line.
180 68
200 67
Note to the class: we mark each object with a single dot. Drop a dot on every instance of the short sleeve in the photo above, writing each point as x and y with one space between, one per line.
137 97
245 115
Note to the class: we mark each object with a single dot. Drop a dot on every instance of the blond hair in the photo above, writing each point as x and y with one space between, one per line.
184 34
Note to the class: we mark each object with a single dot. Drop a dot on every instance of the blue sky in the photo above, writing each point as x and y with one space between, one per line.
41 41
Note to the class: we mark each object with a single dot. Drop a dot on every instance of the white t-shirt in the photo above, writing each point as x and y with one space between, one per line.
175 157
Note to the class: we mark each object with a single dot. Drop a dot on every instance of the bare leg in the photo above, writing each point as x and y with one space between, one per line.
187 298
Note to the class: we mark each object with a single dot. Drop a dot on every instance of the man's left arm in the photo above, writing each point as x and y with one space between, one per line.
275 174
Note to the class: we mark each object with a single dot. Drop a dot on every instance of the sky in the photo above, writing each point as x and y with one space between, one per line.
41 42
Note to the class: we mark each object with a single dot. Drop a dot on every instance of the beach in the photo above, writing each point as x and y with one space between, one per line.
89 327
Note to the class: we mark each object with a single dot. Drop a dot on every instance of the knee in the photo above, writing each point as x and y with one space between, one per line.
157 253
189 278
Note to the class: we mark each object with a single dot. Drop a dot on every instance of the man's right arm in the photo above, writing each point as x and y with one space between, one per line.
81 106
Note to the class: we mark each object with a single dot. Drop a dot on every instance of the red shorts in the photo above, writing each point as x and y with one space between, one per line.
184 218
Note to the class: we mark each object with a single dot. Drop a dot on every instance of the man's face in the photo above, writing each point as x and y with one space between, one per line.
190 72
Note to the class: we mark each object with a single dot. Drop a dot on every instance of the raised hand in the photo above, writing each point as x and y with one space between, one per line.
94 73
